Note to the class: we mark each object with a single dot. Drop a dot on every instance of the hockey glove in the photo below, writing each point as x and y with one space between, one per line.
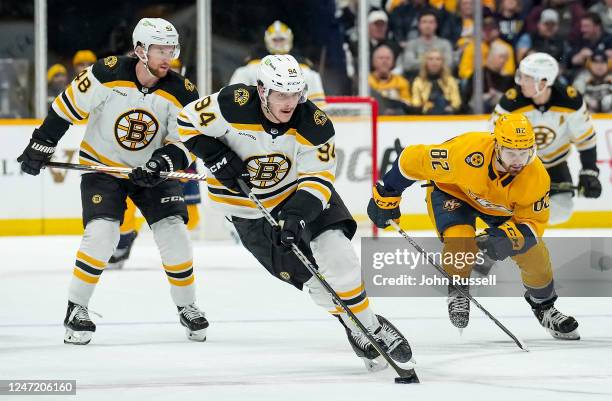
508 239
227 167
384 206
149 174
35 155
291 228
588 184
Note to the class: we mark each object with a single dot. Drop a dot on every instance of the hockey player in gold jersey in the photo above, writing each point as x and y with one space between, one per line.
498 178
131 105
282 145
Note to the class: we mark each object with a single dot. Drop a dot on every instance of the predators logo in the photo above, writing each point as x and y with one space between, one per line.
241 96
475 159
110 61
451 204
189 86
320 118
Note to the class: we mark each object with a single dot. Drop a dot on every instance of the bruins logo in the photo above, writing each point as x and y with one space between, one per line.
320 118
97 198
511 94
285 276
110 61
475 159
135 129
241 96
571 91
189 86
268 170
544 136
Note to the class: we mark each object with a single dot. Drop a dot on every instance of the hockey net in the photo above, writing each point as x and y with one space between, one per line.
355 121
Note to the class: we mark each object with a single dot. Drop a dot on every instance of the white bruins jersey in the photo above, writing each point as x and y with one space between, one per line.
126 122
558 124
281 158
247 75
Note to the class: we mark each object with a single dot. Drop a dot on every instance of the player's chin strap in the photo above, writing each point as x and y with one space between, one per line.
406 375
145 61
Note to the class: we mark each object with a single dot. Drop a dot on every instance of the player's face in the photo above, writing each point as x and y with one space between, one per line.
528 85
514 160
282 105
159 58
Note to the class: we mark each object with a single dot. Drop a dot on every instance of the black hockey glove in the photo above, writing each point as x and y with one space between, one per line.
291 228
384 206
35 155
227 167
495 243
588 183
149 174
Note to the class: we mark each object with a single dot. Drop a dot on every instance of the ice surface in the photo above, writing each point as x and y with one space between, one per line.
267 341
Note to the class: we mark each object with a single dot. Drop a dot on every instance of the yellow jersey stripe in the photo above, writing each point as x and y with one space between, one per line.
560 109
352 293
318 187
87 147
182 283
58 102
188 132
557 152
92 261
169 97
179 267
324 174
85 277
247 202
355 309
583 136
70 93
524 109
248 127
124 84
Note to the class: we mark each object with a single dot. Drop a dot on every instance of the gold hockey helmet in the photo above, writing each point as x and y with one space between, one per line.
514 131
278 38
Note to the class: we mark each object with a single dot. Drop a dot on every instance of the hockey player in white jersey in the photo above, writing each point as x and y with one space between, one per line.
278 39
282 145
131 105
560 120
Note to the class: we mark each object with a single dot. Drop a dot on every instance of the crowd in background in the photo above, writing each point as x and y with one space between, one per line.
421 51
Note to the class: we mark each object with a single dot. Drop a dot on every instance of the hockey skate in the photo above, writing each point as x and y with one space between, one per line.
458 307
194 321
79 327
122 253
388 337
556 323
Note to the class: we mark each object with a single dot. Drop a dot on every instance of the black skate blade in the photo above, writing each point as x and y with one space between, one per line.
410 378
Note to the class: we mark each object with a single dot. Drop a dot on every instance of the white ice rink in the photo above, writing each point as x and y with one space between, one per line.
267 341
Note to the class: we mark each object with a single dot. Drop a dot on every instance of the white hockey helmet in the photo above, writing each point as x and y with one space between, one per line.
281 73
539 66
156 31
278 38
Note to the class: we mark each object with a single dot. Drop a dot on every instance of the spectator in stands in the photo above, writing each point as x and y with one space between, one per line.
427 39
57 80
378 30
392 90
404 20
510 21
604 9
494 82
490 35
545 38
593 39
83 59
595 83
434 90
569 11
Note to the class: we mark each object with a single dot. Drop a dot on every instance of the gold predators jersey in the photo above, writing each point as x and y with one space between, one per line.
126 121
563 121
281 158
464 168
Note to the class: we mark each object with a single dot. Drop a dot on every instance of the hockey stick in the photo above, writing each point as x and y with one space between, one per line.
466 294
405 375
563 186
174 175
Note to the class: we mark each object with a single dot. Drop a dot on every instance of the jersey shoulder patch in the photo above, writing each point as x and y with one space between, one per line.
180 87
114 68
513 100
239 104
313 124
566 96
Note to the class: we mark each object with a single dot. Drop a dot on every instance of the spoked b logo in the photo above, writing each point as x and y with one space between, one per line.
267 170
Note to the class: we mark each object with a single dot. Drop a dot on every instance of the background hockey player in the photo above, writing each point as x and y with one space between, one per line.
499 179
561 120
131 105
279 40
272 137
